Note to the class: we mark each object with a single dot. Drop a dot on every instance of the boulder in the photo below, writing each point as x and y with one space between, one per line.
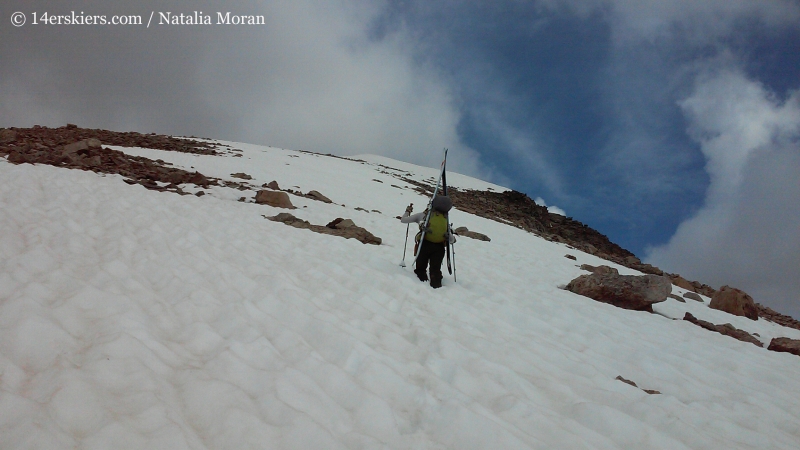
783 344
463 231
272 185
317 196
734 301
241 175
693 296
606 285
277 199
675 297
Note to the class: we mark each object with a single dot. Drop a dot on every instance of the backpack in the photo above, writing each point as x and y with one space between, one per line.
437 227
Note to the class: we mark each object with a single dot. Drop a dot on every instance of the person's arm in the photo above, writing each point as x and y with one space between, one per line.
415 218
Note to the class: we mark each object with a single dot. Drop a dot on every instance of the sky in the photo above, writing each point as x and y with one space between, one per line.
671 127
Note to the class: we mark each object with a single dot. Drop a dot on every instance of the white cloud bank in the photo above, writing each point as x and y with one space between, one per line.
748 232
312 78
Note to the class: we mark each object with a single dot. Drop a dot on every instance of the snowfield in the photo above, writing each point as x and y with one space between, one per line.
137 319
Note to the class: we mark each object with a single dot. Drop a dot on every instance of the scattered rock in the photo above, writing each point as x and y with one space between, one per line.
693 296
783 344
317 196
272 185
588 267
463 231
242 176
200 193
606 285
675 297
649 391
726 329
570 257
277 199
349 232
734 301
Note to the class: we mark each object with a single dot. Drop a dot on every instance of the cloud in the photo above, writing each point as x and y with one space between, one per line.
311 78
746 234
551 209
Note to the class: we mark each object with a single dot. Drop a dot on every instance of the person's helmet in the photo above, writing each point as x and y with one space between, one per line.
442 203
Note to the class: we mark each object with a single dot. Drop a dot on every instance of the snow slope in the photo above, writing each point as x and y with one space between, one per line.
135 319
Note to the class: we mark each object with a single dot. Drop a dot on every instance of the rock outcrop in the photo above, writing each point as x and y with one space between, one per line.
783 344
606 285
77 148
7 136
725 329
776 317
734 301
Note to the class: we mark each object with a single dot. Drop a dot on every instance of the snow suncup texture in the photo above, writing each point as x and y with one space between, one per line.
141 319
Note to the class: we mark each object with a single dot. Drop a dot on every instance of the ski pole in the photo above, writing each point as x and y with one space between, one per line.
453 247
408 210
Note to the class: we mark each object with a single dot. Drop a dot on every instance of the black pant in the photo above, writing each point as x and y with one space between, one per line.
433 253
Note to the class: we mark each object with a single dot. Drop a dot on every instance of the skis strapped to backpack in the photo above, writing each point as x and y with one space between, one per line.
430 207
451 269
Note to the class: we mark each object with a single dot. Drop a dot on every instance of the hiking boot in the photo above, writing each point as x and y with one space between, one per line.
421 275
436 283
